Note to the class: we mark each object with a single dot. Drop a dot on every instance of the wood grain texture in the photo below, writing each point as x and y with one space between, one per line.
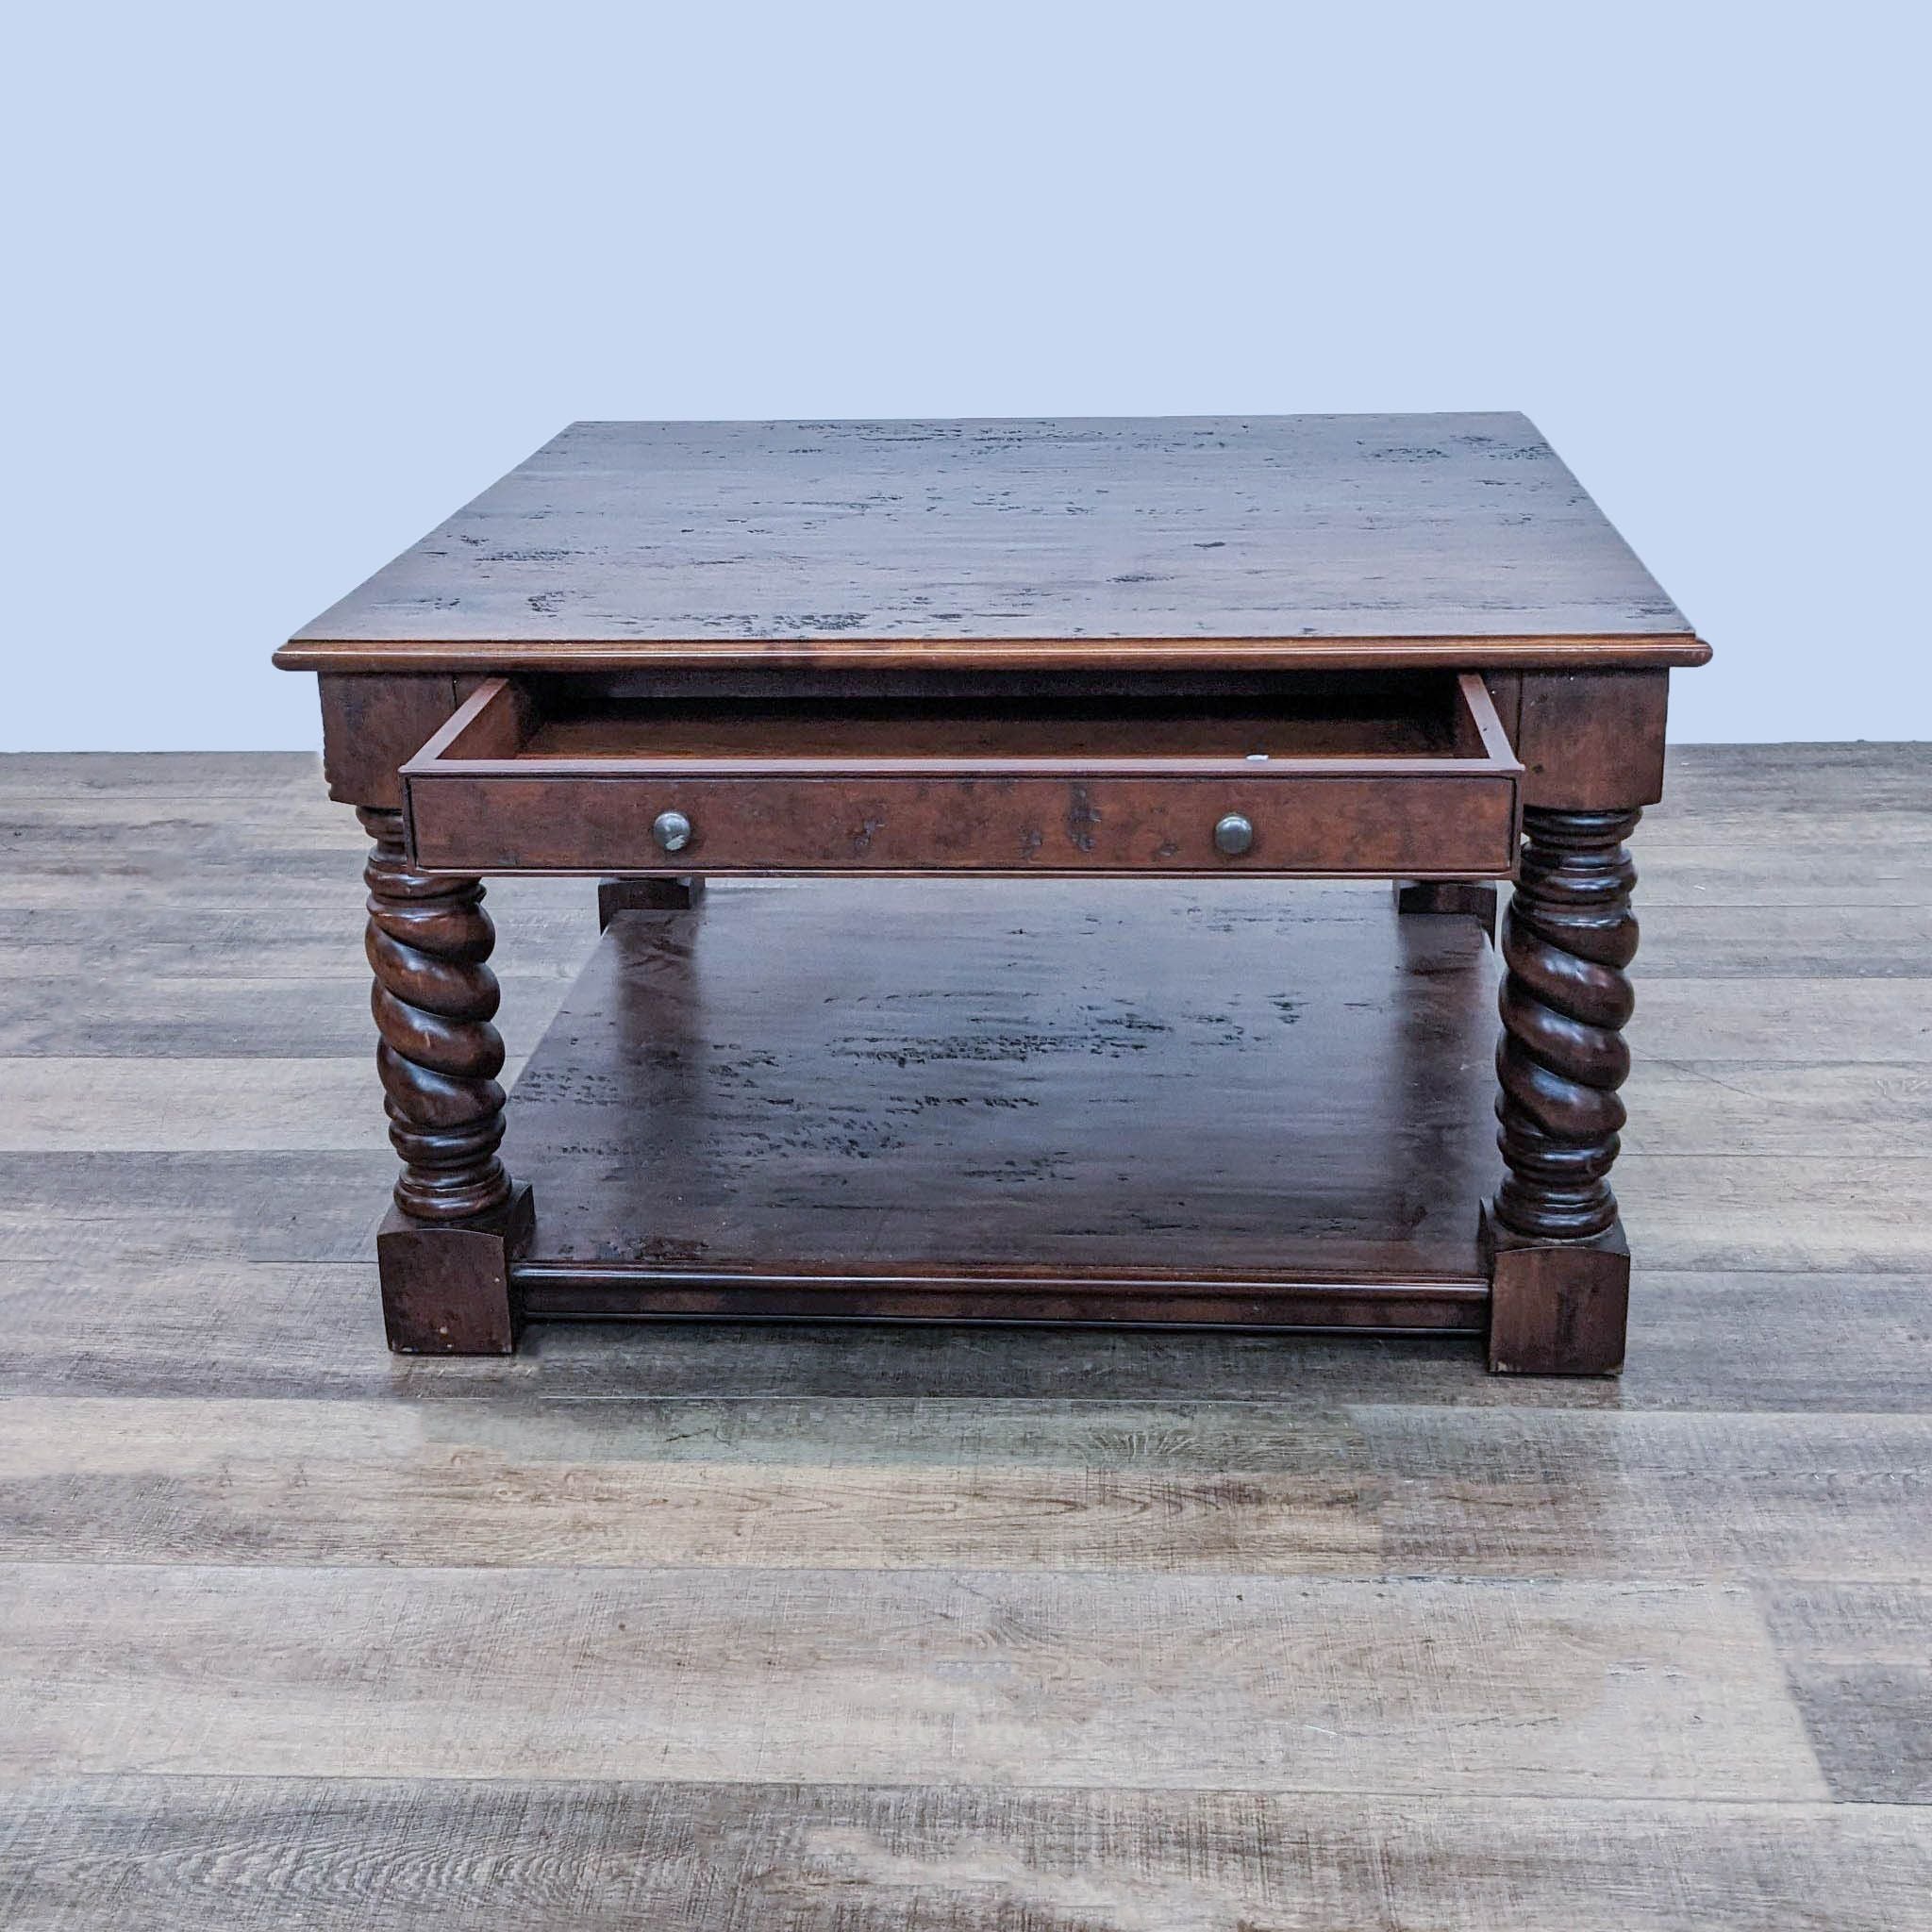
1708 1343
236 1534
146 1207
434 997
1859 1660
1891 940
906 1677
1081 1078
1318 827
370 726
1801 1212
1255 1487
1797 1213
166 1005
114 1104
1567 935
1288 539
1855 1346
1412 776
311 1854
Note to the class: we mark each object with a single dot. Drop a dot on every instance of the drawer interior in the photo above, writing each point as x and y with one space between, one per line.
1433 721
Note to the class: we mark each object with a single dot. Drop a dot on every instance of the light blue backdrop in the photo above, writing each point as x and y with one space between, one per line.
289 284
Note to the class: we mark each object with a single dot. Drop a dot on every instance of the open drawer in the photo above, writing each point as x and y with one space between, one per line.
1410 778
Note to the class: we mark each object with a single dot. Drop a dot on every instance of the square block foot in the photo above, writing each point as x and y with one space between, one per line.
1556 1308
445 1289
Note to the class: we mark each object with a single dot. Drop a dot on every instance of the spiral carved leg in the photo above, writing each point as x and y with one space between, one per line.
1561 1270
434 999
1566 941
444 1253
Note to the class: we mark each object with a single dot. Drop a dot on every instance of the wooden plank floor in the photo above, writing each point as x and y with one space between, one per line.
859 1629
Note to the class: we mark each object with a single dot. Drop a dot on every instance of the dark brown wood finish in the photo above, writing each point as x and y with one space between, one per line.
1324 827
1285 540
1556 1308
1567 938
962 1099
1374 778
1559 1264
429 944
1465 898
1048 649
1591 740
447 1288
678 894
372 726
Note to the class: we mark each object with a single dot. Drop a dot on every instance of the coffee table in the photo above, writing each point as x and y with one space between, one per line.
1042 718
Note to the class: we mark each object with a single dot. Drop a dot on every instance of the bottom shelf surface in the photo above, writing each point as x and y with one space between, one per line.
1209 1102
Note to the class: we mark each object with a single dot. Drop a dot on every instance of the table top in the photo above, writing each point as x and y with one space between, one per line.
1345 541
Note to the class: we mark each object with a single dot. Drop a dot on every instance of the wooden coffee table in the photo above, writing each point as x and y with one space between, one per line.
1048 712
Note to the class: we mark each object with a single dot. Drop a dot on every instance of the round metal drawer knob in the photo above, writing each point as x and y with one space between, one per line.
1233 835
672 830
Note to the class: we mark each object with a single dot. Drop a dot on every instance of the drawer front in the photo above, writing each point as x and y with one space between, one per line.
1405 824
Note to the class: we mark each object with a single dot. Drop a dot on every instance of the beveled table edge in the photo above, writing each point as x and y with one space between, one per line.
1645 650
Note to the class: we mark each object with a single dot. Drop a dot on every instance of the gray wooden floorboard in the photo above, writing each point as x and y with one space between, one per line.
146 1854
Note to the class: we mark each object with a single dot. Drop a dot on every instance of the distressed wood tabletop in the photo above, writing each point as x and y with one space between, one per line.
1174 542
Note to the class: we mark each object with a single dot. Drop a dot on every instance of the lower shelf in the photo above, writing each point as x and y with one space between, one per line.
1222 1103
